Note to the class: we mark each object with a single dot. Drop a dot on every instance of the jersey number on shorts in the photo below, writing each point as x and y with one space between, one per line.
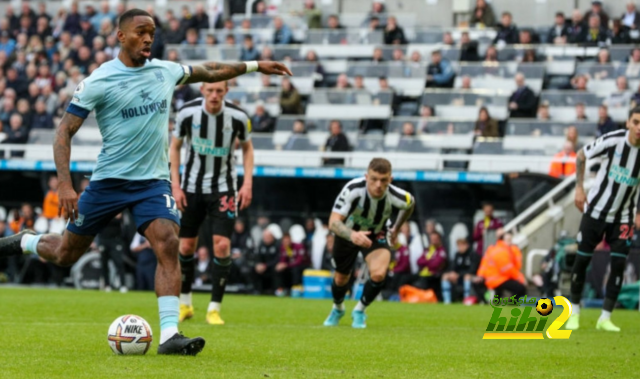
626 232
227 203
170 200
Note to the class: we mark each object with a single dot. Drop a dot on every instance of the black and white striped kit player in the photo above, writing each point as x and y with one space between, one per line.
210 141
365 213
614 197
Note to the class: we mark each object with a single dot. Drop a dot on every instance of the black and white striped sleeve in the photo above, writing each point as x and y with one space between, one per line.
400 198
346 202
603 144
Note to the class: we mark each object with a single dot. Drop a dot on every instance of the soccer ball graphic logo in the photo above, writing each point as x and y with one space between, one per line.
544 306
130 335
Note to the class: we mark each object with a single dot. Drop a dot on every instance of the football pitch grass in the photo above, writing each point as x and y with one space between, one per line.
48 333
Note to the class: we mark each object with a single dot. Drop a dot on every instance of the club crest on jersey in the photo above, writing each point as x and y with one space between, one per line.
80 87
79 220
123 85
159 75
145 95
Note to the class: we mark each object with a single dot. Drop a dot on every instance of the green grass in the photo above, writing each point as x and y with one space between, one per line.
62 334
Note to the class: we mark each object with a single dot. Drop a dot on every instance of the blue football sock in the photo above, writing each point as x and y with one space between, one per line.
169 307
446 291
467 288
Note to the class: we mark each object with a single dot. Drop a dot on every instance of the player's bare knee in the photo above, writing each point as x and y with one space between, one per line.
221 248
341 279
187 246
378 276
166 249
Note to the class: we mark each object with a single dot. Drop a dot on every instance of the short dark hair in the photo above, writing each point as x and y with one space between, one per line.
634 110
380 165
130 14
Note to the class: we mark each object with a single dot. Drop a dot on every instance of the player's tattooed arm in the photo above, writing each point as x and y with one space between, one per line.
212 72
67 128
336 225
581 161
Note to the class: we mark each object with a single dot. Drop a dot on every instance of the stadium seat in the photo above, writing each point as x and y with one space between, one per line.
488 146
458 231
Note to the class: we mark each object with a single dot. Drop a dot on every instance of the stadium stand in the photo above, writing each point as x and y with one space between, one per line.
372 72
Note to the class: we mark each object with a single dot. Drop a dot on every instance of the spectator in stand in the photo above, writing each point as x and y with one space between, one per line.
312 14
104 14
564 163
500 267
633 67
603 57
293 261
192 38
51 200
622 97
266 258
466 82
491 55
146 263
249 51
374 24
483 15
19 85
394 34
576 27
596 10
468 49
266 54
265 80
337 142
203 267
7 44
282 34
579 82
447 40
200 19
378 55
485 125
523 101
377 11
432 265
618 34
358 83
17 132
34 93
631 18
529 56
23 219
525 37
407 136
594 34
342 82
319 74
460 273
398 57
41 118
290 100
327 254
581 114
50 99
241 247
426 112
489 222
182 94
440 72
559 32
543 112
383 85
333 23
605 123
298 140
230 40
87 32
572 136
400 267
507 32
175 34
262 122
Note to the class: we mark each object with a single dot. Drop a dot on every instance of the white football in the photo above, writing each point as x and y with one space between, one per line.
130 335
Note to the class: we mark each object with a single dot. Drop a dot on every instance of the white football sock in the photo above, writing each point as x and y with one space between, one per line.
606 315
360 307
575 309
338 307
167 333
213 306
185 298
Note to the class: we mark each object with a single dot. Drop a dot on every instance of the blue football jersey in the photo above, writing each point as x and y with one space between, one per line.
132 106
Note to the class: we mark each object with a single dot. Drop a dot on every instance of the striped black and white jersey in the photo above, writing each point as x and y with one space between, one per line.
614 197
210 141
363 212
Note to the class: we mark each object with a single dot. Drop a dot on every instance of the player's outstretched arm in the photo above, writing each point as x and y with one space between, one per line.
581 196
67 128
212 72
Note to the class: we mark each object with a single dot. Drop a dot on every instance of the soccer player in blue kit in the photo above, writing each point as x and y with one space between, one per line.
131 96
